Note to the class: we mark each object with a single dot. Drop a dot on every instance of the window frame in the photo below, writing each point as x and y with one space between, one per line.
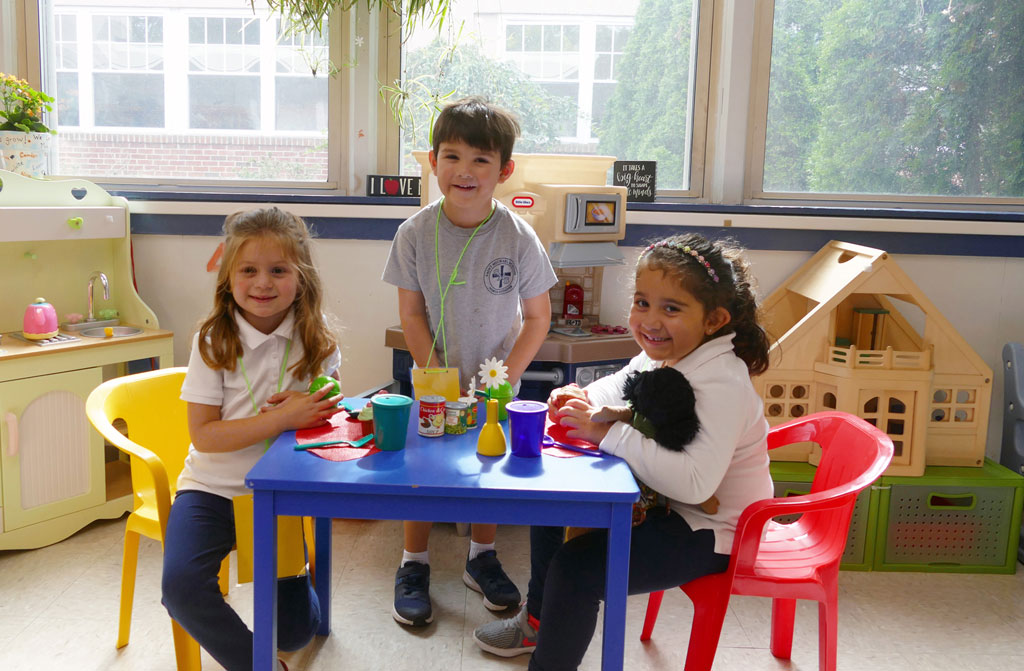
754 193
728 132
347 165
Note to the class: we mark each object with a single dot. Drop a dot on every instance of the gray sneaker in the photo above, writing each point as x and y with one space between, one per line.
509 637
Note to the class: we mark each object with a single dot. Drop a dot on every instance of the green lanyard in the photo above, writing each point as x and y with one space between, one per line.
451 280
280 381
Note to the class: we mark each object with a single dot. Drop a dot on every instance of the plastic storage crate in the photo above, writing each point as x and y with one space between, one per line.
793 478
951 519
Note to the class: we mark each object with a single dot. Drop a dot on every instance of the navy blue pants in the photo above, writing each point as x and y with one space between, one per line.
567 580
200 533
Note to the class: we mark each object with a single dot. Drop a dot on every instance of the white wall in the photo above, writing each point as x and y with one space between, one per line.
171 274
979 295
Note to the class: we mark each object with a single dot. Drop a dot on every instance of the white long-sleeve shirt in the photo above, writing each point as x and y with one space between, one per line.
728 457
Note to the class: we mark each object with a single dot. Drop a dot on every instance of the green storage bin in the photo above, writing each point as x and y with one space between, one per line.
794 478
950 520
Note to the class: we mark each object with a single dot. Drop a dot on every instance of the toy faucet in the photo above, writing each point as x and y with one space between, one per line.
491 442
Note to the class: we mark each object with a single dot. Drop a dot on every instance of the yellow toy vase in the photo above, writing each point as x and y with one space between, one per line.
491 442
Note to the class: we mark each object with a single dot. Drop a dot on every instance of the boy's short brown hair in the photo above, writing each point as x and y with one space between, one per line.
479 124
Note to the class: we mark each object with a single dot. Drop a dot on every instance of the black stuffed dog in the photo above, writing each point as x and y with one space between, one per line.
662 406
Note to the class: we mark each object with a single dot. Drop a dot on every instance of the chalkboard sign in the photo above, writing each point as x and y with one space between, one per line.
639 178
393 185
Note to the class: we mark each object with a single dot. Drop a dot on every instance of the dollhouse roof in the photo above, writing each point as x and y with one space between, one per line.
808 310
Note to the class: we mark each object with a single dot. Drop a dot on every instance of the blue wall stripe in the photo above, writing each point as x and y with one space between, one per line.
638 235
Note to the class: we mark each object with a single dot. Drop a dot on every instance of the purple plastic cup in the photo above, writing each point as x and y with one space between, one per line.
526 426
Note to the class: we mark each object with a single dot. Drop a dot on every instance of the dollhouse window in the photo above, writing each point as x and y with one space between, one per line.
829 400
890 414
954 404
787 400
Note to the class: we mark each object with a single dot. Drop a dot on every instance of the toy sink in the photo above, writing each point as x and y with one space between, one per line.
89 325
115 332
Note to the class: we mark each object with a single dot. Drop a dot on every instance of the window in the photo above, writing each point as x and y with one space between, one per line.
127 71
895 99
188 91
608 77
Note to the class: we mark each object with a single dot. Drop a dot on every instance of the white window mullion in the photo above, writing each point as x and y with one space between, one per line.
176 97
86 90
268 68
585 94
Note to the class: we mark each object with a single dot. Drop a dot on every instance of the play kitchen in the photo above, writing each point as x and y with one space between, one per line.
70 318
579 220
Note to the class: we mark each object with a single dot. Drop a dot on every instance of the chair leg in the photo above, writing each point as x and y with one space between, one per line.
653 606
706 629
186 650
310 535
224 575
828 632
129 562
783 613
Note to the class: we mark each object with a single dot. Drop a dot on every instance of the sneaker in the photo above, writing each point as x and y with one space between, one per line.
509 637
412 595
485 575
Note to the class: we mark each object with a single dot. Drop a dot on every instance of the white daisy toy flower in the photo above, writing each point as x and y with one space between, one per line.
493 373
471 393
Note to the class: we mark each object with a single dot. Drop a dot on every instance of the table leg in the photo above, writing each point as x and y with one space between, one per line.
616 584
264 641
323 573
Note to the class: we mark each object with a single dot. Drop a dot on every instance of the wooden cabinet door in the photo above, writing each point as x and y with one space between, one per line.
51 459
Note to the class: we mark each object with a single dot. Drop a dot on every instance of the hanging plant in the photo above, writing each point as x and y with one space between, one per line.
309 15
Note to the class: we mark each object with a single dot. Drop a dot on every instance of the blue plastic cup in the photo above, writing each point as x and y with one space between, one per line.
526 426
390 420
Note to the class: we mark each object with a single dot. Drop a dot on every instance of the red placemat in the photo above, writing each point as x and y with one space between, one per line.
341 427
558 432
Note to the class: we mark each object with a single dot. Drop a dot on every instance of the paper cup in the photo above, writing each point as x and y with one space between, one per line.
526 426
390 420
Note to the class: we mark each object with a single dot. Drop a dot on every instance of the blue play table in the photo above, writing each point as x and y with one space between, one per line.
443 480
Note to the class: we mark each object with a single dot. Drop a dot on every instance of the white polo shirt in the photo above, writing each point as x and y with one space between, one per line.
223 473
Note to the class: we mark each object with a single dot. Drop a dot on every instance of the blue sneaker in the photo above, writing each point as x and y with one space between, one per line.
412 595
485 575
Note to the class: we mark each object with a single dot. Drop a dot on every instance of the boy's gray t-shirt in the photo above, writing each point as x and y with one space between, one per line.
504 262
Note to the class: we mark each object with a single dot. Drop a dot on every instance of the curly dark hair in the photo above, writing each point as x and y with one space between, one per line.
735 290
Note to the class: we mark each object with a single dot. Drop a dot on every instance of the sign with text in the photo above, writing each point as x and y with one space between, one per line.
639 178
405 186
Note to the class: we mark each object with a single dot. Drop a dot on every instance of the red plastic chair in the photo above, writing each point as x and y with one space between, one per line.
786 562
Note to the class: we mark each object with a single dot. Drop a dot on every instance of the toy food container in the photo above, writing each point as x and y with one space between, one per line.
40 321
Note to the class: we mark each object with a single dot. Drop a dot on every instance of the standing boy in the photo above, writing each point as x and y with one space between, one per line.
473 281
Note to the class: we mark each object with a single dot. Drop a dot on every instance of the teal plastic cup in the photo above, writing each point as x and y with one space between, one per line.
526 426
390 420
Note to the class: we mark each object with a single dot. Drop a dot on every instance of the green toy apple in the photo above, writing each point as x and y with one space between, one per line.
324 381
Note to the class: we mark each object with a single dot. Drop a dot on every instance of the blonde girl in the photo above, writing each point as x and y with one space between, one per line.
694 309
251 364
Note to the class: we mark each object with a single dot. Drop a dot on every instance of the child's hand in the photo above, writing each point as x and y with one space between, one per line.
559 397
302 410
579 416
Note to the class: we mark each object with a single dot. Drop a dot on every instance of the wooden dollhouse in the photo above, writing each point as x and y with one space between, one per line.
853 332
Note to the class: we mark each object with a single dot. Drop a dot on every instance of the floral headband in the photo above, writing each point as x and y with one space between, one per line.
686 249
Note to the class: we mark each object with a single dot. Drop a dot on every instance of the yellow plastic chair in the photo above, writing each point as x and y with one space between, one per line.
157 443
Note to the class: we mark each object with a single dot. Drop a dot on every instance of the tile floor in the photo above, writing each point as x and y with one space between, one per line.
58 611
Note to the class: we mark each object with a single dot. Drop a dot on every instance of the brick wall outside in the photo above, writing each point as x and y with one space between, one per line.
189 156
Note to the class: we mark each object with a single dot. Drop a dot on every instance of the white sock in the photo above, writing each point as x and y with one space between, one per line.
476 548
421 557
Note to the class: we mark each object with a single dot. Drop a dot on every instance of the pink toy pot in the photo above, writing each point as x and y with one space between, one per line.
40 321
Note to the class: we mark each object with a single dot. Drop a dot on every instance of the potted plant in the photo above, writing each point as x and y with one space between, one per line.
24 139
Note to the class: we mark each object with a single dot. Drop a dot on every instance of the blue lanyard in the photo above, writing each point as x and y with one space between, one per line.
280 381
